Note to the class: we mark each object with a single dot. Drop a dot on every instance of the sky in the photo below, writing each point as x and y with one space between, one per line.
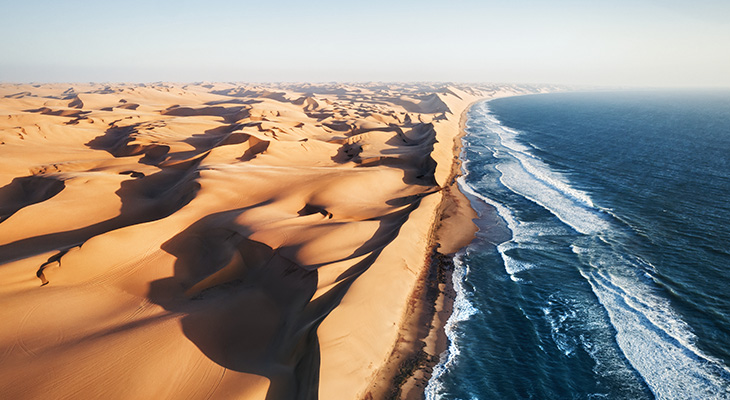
668 43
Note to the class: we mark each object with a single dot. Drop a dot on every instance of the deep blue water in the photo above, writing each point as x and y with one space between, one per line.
611 278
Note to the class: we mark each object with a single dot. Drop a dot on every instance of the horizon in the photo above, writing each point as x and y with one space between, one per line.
559 88
634 45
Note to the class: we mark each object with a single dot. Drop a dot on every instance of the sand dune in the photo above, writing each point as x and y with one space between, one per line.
220 240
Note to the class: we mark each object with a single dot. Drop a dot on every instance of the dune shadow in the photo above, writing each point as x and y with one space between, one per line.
116 141
144 199
228 114
220 136
247 306
25 191
410 152
348 152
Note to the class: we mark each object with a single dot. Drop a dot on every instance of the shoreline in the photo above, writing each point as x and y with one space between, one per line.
411 363
453 236
358 278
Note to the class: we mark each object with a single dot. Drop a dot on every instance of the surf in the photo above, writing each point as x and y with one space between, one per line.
637 317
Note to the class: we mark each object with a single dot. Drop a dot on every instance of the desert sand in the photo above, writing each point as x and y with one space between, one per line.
169 241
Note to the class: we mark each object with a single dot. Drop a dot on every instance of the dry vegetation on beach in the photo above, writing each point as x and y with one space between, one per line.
218 240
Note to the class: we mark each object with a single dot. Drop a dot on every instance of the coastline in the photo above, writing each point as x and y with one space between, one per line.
409 368
490 325
206 201
453 230
422 338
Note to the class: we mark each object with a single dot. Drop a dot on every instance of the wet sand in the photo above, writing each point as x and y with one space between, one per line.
223 240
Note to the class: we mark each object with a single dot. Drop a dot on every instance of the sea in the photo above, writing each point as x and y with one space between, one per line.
608 274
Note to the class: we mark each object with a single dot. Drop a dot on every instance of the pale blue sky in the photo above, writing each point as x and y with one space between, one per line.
635 43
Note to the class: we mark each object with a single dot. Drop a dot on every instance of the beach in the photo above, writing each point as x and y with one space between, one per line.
603 283
215 240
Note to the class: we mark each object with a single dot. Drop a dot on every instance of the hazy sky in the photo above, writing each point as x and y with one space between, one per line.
640 42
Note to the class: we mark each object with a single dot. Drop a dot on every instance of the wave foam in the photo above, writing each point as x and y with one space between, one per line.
463 310
654 339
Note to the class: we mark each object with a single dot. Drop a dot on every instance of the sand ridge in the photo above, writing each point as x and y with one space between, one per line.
215 240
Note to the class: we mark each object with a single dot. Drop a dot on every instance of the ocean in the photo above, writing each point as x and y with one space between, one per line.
610 277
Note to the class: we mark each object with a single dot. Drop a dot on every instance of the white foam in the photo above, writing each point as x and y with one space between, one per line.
463 310
578 249
580 217
654 339
528 176
512 265
542 173
503 211
557 319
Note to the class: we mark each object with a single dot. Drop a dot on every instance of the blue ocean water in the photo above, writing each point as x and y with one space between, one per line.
611 278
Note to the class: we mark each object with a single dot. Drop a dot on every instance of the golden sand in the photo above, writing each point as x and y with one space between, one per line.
220 241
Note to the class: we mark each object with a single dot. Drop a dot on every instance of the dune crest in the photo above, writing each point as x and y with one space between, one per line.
217 240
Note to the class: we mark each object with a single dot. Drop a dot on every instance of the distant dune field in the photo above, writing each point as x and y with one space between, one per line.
216 240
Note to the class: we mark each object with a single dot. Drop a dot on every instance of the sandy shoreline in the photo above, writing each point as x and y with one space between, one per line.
422 339
414 357
267 241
